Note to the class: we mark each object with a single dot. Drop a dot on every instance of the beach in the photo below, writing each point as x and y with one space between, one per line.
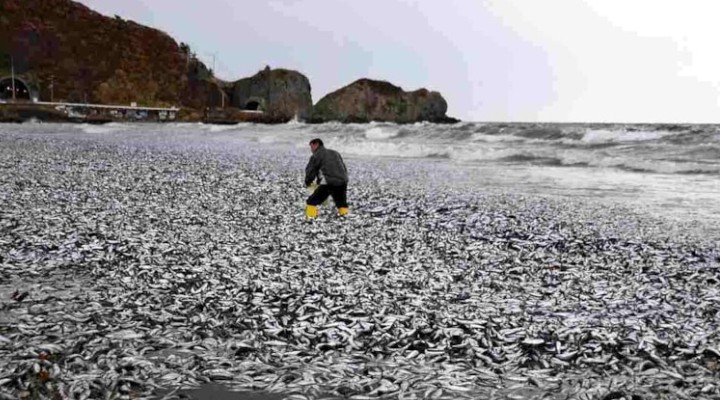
141 261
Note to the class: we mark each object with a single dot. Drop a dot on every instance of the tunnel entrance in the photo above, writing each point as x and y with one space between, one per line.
22 92
252 105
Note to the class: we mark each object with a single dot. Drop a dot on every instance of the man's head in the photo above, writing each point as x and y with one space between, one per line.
316 144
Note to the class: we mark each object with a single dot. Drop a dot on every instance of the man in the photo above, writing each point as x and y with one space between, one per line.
327 164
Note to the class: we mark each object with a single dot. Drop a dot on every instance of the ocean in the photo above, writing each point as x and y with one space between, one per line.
669 171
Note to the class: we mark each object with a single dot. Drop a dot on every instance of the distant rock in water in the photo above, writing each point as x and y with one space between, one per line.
282 94
368 100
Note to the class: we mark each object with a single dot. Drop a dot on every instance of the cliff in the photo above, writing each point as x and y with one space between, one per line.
281 93
370 100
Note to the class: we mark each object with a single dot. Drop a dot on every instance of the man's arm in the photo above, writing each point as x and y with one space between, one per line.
311 170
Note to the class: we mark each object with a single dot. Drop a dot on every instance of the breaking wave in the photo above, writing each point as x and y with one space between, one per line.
664 149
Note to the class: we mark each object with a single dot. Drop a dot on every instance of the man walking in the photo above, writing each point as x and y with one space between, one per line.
328 165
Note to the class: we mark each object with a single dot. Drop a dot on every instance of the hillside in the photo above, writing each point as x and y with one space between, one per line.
94 58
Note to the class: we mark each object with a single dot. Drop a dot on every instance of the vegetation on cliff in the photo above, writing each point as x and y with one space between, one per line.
86 56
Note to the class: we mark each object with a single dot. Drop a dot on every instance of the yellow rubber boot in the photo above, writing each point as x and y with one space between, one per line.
311 211
343 211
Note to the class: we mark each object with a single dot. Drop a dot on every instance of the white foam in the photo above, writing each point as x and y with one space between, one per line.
380 133
222 128
103 129
621 135
482 137
389 149
295 122
482 153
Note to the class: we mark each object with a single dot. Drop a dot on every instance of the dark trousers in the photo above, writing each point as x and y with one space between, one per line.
338 193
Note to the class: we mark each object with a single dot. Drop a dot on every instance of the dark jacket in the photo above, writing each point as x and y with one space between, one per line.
330 164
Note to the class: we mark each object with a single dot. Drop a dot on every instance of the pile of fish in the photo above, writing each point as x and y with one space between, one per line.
131 270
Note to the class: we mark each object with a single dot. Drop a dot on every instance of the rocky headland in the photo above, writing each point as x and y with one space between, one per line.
62 51
271 95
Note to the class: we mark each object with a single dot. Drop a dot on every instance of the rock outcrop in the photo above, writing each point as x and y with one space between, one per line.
368 100
280 93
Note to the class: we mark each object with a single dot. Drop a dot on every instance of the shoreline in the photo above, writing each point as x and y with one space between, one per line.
26 112
203 254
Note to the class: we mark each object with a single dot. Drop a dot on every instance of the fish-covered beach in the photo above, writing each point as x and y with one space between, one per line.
478 261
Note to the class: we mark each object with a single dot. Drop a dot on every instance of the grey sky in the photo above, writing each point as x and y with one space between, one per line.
493 60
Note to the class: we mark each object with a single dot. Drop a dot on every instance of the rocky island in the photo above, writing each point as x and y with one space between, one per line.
368 100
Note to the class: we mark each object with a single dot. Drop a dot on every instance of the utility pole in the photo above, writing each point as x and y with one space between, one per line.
214 75
222 91
213 56
12 75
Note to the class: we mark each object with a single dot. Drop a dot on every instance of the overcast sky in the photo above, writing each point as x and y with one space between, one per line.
493 60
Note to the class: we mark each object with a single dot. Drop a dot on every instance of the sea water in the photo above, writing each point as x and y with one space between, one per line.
670 171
